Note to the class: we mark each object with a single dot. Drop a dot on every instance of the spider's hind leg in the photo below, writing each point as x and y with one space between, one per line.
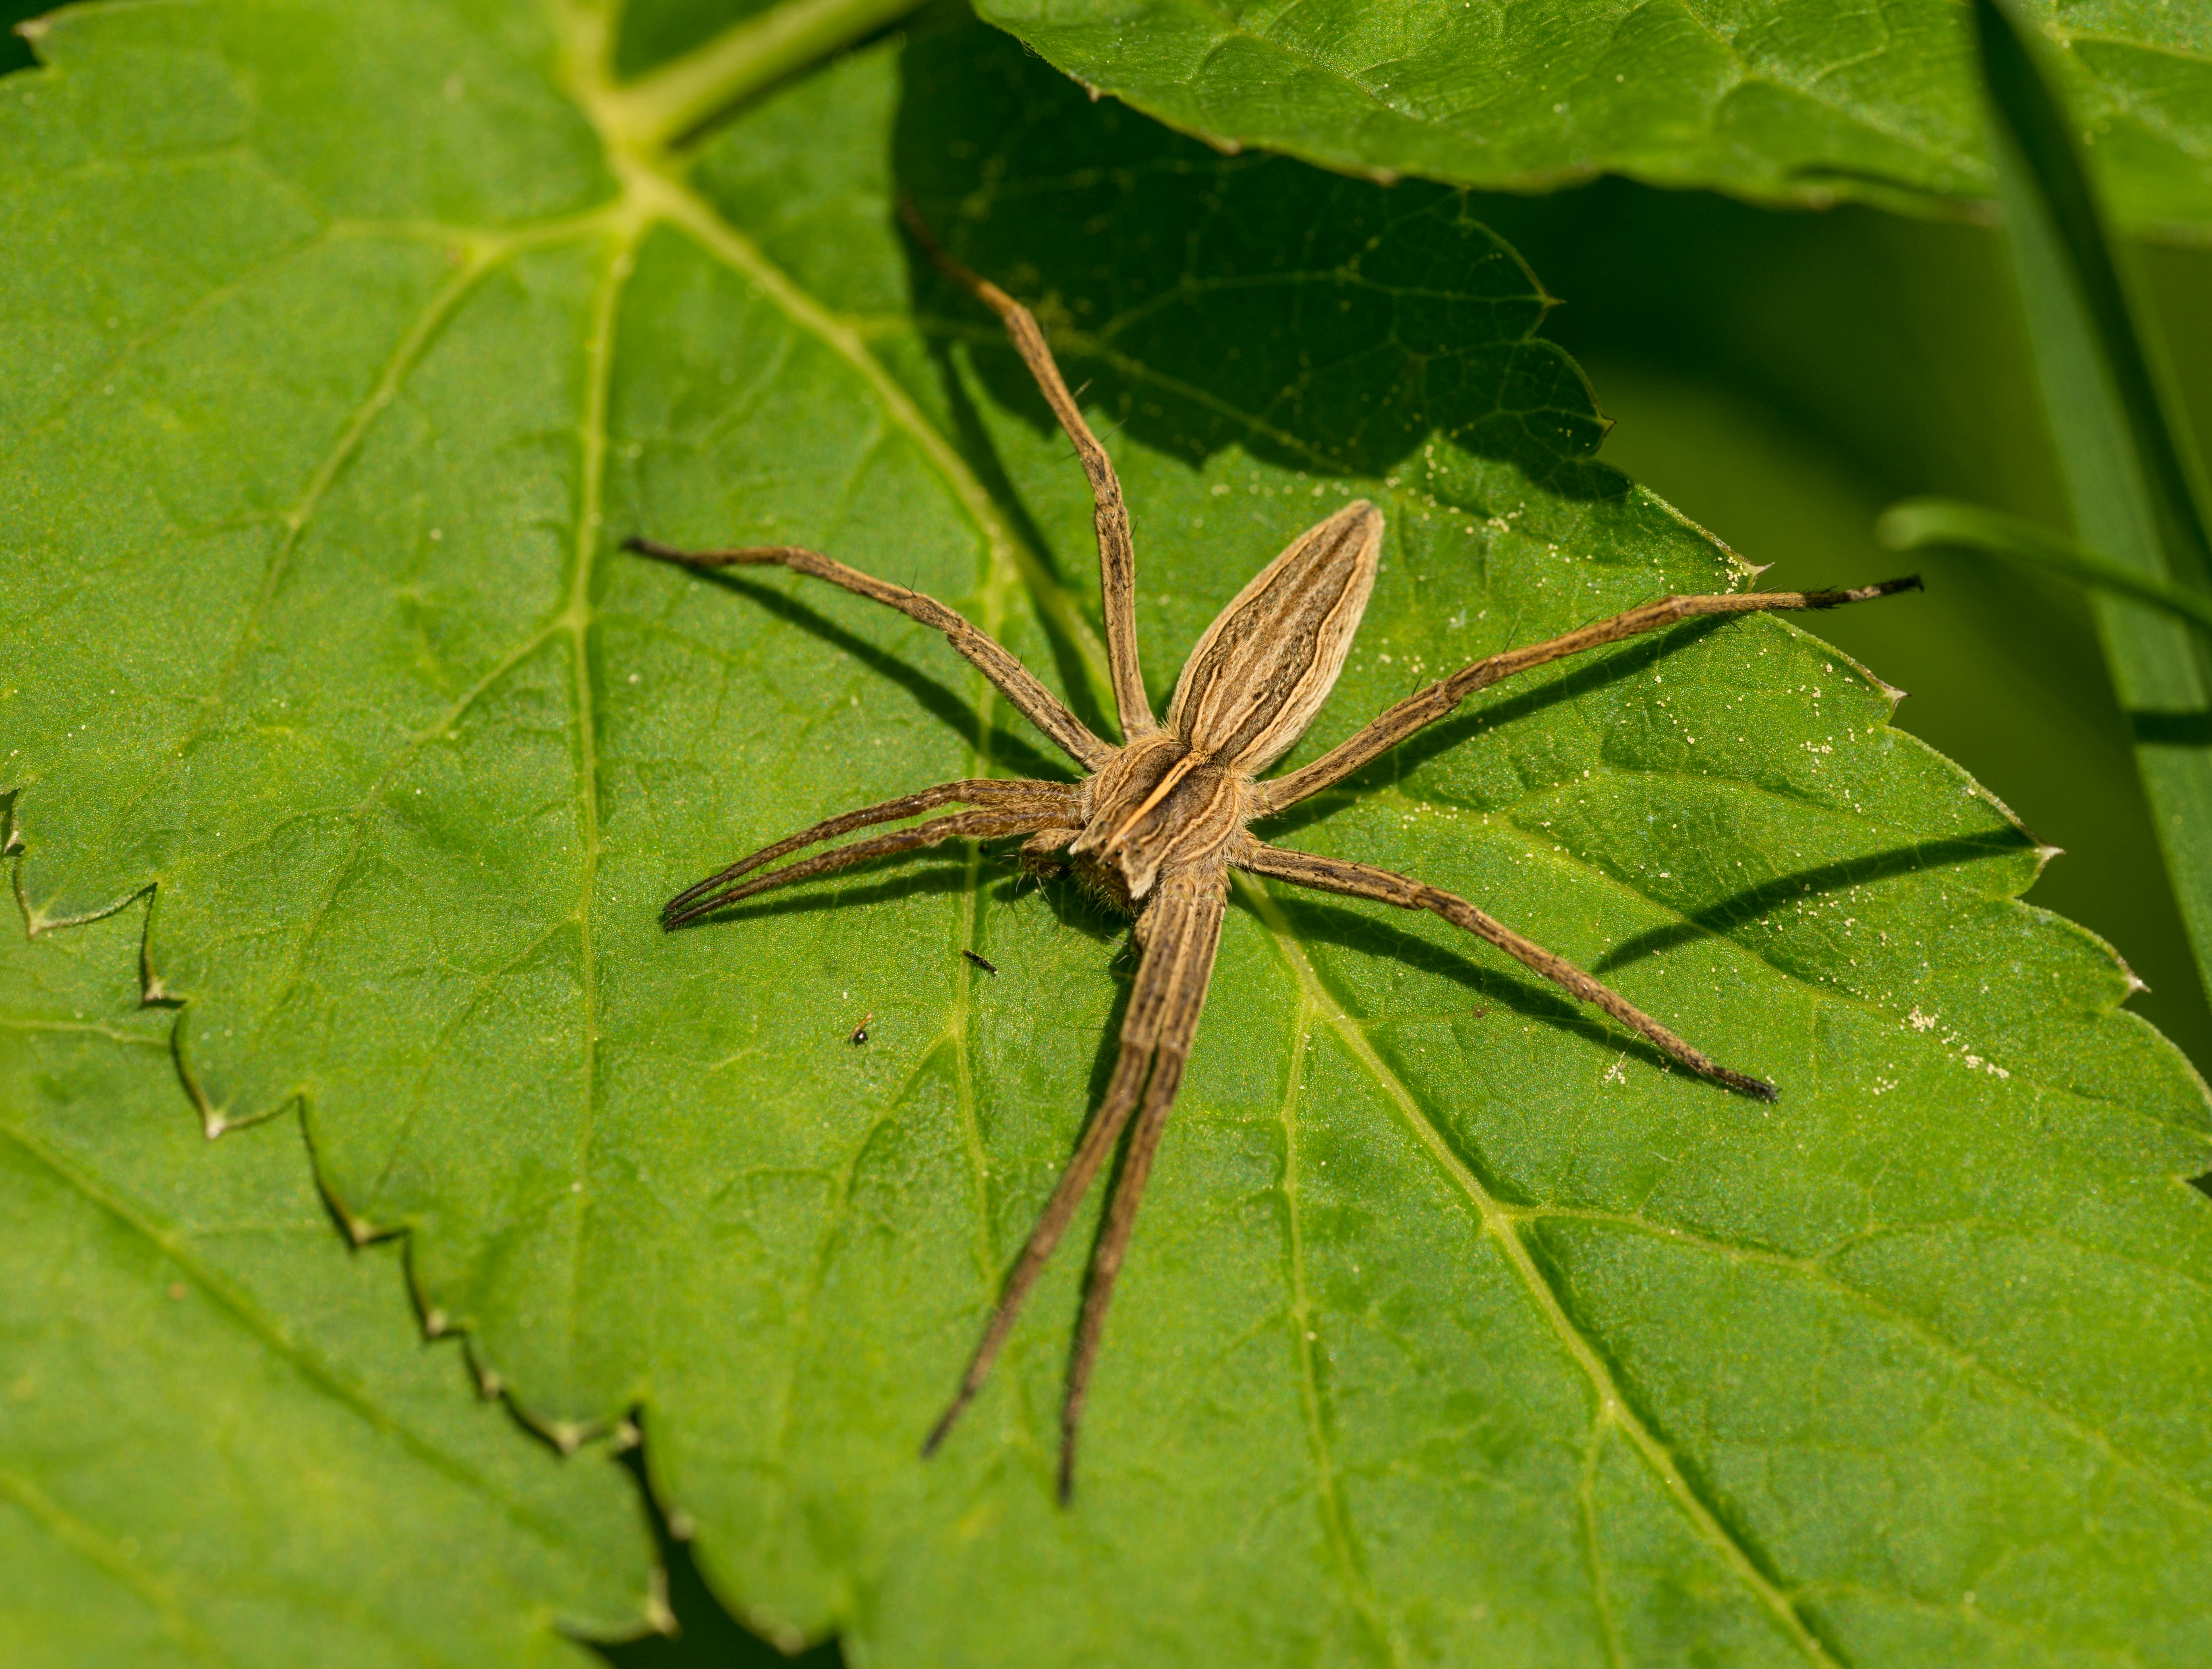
1336 874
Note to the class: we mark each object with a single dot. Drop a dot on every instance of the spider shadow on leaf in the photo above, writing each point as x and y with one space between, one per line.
1721 919
1011 749
1211 301
1353 930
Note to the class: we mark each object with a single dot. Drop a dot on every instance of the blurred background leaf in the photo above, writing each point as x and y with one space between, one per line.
1936 523
2132 482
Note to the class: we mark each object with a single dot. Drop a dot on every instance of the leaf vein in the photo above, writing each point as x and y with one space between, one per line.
318 1373
1495 1222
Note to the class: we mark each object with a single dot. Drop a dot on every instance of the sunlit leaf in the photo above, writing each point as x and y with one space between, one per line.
1457 1326
221 1438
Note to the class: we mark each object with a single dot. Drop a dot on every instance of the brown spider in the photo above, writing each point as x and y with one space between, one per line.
1158 822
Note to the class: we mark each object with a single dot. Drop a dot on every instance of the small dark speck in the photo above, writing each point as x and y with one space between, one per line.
861 1032
1478 1013
986 966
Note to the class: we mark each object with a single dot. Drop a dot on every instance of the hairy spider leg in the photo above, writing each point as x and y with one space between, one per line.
961 825
1178 933
1117 556
1008 675
1425 706
1388 887
1186 924
973 790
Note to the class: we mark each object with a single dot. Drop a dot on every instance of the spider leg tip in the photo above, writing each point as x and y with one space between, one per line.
935 1440
1742 1082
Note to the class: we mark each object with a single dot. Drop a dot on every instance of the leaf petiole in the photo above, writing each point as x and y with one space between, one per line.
662 108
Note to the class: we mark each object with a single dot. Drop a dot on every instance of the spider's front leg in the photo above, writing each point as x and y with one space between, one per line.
1426 707
1007 808
1117 556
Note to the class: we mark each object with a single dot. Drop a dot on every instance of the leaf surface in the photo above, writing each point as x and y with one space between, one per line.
221 1440
1796 102
1456 1327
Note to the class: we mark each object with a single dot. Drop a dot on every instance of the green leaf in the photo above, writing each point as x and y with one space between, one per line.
1794 102
222 1441
2124 455
1935 523
1457 1326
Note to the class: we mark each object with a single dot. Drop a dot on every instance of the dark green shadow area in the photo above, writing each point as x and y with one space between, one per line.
1323 324
707 1636
15 52
652 32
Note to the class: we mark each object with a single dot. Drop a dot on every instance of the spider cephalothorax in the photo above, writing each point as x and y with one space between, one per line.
1176 800
1158 822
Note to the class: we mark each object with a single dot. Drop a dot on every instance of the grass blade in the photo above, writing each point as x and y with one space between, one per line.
2123 456
1922 524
